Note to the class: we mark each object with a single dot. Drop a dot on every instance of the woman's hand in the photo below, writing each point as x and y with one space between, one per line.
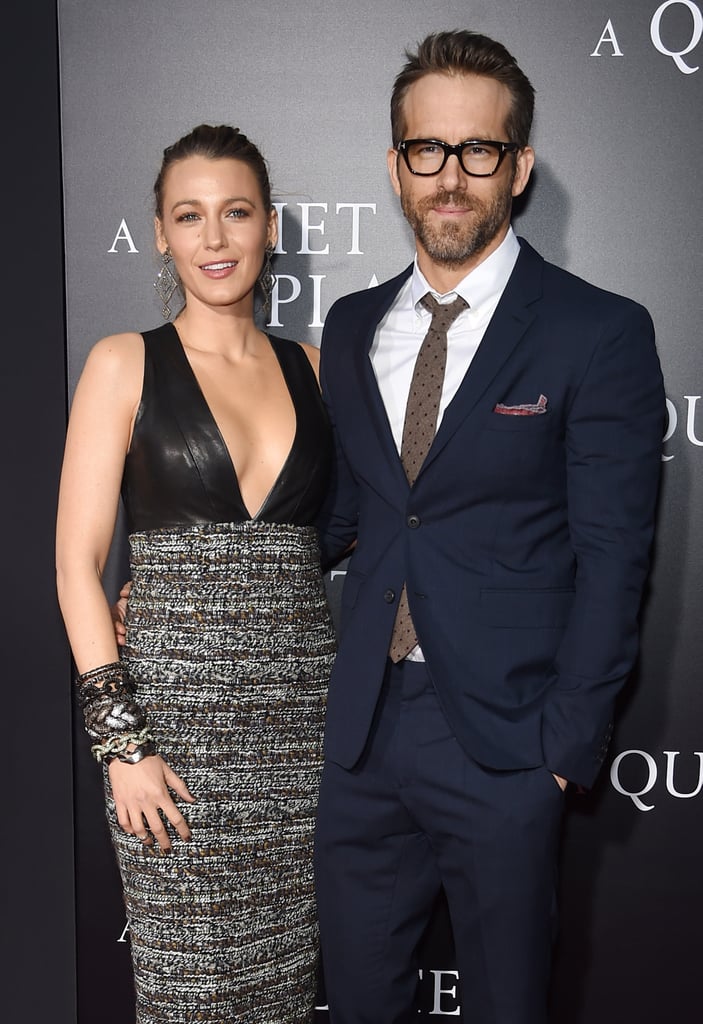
118 611
140 791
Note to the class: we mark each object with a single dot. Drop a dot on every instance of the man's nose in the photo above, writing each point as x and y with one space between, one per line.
452 175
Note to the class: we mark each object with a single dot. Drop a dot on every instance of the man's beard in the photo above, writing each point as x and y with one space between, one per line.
450 244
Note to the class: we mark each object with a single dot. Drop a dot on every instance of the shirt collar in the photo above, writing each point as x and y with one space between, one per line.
485 283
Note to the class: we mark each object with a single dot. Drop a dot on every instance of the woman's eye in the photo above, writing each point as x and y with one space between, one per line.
187 217
237 213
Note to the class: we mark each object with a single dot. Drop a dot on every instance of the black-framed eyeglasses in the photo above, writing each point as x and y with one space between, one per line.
480 158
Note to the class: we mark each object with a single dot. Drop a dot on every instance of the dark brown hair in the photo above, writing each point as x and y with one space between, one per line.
466 53
216 142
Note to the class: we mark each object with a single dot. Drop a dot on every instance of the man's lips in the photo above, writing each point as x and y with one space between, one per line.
450 211
445 205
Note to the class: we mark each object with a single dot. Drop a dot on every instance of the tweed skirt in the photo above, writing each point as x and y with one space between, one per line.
230 644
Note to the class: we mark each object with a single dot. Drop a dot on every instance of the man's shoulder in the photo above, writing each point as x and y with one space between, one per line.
571 286
369 298
569 290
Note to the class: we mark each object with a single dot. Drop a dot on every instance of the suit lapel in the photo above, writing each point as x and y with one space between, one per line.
374 411
513 316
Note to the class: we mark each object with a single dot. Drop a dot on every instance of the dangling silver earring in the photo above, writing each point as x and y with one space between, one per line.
267 280
166 283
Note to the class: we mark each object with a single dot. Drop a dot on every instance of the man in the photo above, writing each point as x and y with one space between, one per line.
489 613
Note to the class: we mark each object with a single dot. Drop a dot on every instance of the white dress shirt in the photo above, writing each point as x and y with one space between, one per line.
401 332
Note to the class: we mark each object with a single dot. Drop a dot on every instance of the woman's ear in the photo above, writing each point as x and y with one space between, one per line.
160 238
272 233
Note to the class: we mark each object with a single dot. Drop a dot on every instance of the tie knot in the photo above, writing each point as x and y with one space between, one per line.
443 313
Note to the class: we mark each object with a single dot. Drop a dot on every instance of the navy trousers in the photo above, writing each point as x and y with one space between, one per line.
417 813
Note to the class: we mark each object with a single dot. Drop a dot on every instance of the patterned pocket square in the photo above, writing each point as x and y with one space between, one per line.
539 407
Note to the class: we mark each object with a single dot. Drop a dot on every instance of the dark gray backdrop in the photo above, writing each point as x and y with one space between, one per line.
37 961
615 199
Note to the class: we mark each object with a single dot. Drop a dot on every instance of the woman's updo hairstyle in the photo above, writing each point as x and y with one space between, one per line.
216 142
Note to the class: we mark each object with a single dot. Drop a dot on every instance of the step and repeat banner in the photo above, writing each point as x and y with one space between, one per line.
615 199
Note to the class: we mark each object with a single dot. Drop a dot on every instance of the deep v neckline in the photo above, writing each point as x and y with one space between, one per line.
256 516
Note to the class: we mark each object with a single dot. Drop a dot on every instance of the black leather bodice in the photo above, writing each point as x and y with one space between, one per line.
178 471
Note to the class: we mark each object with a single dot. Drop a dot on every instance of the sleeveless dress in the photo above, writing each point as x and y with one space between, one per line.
230 644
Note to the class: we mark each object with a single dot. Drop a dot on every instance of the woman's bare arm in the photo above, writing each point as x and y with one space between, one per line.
99 432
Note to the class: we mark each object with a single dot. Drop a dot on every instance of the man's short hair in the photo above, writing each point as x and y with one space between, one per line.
466 53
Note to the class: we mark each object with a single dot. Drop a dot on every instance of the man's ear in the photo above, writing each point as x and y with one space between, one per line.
392 161
524 163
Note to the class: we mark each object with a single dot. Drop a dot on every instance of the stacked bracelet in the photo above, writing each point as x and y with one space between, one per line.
112 717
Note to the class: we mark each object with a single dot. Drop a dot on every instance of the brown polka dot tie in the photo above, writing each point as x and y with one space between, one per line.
419 430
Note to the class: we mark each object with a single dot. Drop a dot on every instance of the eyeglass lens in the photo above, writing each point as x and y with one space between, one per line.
427 157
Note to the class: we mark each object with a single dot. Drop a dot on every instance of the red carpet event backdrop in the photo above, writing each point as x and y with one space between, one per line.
615 198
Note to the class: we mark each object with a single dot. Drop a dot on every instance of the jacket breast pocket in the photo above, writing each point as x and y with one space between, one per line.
535 422
518 446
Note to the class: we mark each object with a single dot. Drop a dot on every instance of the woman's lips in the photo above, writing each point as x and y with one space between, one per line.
222 268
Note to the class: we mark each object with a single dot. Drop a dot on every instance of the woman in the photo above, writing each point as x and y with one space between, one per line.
210 725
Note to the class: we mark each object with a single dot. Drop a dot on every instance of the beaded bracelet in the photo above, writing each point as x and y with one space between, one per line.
116 747
112 717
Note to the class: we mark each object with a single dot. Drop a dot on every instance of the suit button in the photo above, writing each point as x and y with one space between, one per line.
413 522
389 596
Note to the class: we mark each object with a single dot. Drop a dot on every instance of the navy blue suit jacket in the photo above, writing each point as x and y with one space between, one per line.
525 539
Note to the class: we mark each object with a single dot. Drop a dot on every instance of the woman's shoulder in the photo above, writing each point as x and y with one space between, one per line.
117 356
312 352
118 346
